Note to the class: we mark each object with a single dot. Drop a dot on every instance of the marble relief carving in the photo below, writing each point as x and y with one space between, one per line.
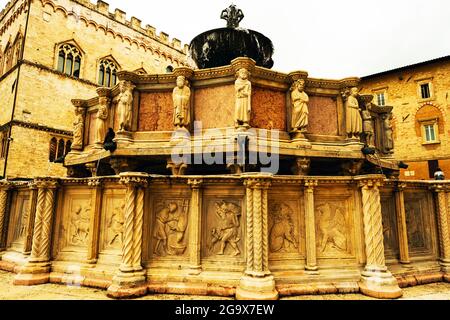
115 227
169 231
332 229
283 236
79 225
225 233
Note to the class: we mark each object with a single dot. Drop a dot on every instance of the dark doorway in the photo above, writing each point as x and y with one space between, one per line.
433 165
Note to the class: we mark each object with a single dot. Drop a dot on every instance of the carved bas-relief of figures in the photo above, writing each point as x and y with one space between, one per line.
332 229
227 233
79 226
181 103
101 125
282 236
300 110
125 105
243 89
354 123
78 129
170 229
115 227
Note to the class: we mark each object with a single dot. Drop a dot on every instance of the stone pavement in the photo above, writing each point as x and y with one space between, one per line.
436 291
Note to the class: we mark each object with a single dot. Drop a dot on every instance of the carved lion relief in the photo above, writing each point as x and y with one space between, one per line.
224 229
283 233
332 228
170 228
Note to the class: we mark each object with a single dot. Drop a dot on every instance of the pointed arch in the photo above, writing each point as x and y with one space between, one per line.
107 71
69 58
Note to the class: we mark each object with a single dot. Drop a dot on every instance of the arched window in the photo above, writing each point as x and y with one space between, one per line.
69 60
68 147
8 58
61 148
17 49
107 75
52 152
3 144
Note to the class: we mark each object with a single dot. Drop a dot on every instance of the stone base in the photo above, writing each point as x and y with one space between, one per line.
128 285
380 285
33 274
251 288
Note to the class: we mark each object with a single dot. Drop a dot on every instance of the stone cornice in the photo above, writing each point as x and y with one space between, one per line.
36 126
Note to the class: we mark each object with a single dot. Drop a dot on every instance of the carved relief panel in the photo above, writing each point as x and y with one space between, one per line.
223 228
75 223
19 220
112 221
334 226
391 246
169 231
420 225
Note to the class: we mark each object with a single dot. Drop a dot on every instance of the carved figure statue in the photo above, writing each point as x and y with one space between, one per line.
388 133
80 225
100 124
233 16
300 110
282 234
125 105
353 116
78 128
243 88
170 229
115 226
368 127
181 101
332 228
227 232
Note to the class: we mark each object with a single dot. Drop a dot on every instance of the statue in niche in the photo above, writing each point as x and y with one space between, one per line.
170 228
368 127
282 234
80 222
332 229
415 227
181 101
125 105
388 132
115 226
353 115
100 124
243 88
78 129
233 16
227 231
300 110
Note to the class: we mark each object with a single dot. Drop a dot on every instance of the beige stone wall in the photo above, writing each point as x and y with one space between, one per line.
402 92
29 155
7 96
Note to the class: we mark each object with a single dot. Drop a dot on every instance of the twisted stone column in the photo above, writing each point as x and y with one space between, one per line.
443 207
195 224
96 208
4 187
257 283
130 279
401 224
376 280
37 269
310 227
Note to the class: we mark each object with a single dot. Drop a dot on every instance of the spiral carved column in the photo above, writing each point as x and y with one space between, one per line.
4 187
257 283
376 280
130 279
443 207
310 226
195 225
37 269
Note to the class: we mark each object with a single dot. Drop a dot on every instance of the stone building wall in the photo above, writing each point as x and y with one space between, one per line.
44 94
402 89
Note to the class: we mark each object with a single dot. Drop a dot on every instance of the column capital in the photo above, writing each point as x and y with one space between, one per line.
46 182
257 181
401 186
311 184
5 185
195 183
95 182
32 185
440 187
136 179
370 181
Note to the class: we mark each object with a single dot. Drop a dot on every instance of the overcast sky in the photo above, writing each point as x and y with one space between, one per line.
327 38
